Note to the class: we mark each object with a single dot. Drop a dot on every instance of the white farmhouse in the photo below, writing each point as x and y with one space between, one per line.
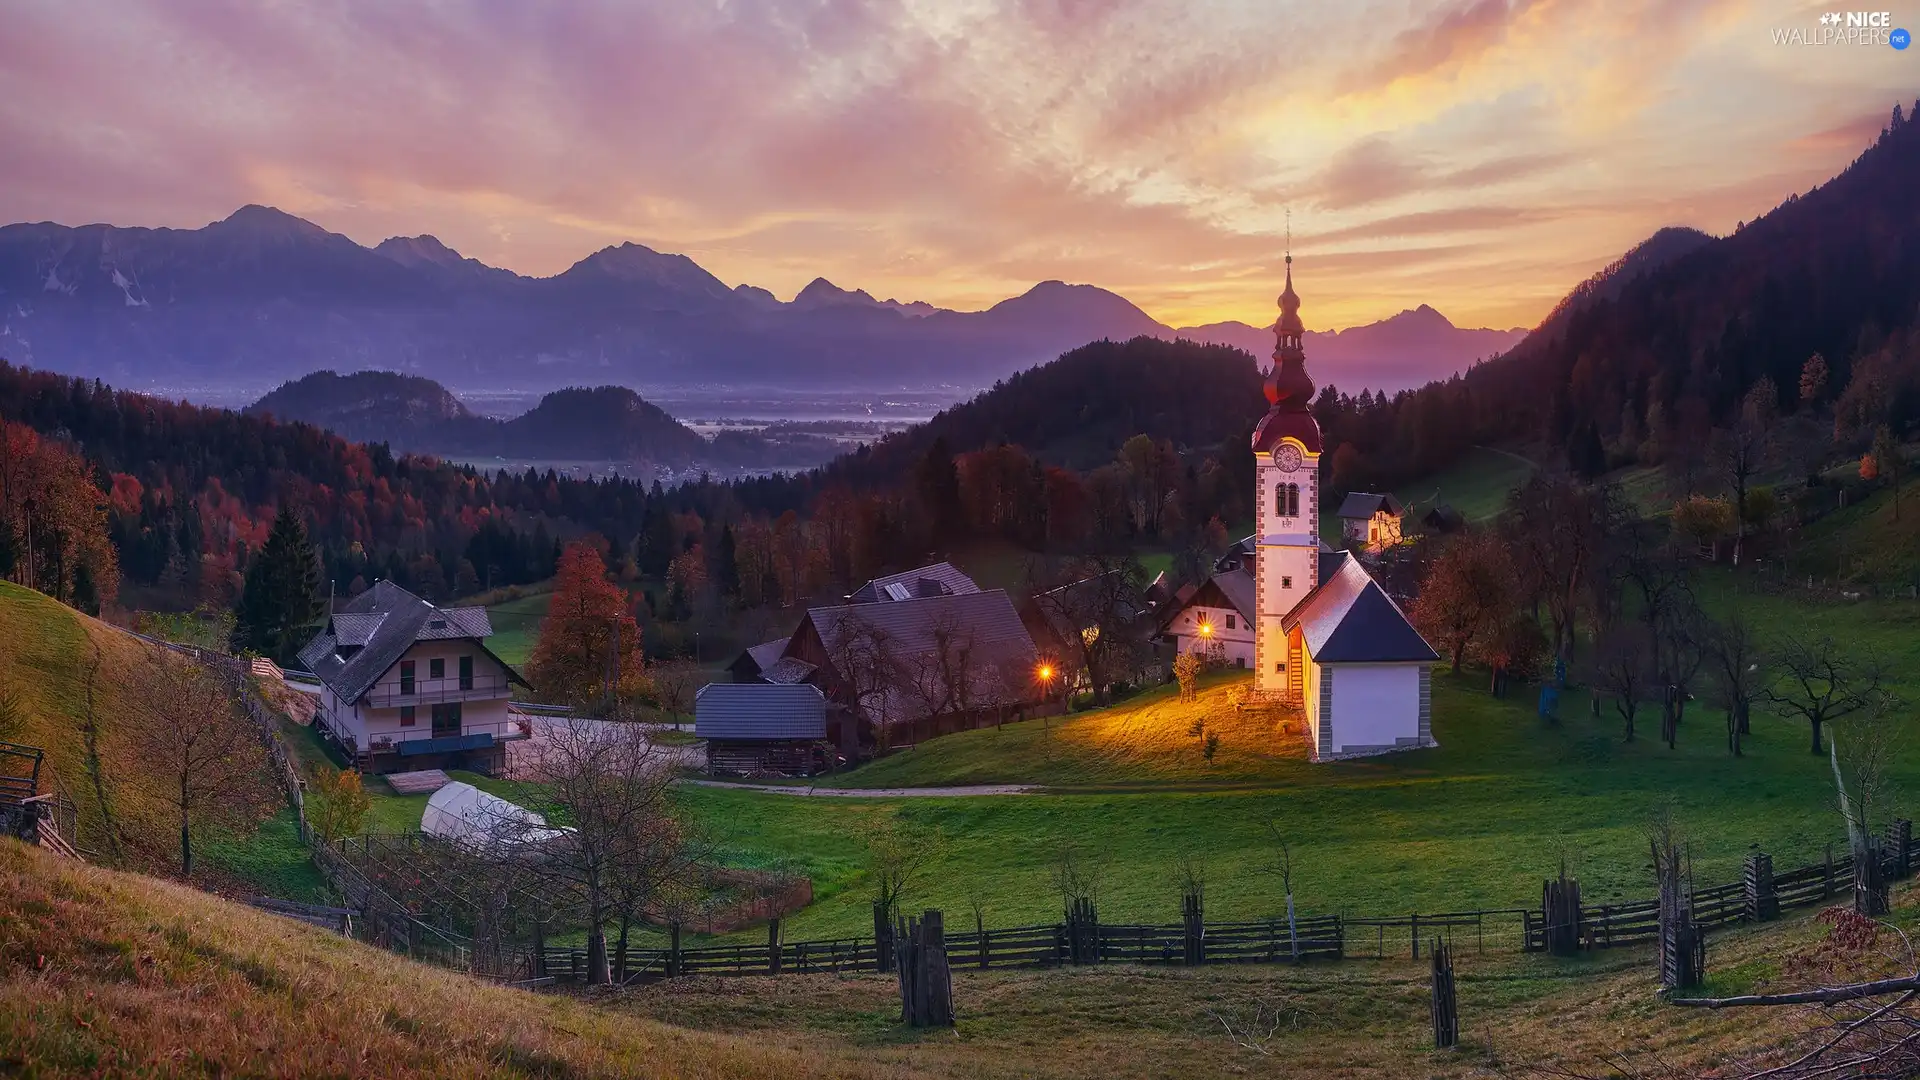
1326 637
406 685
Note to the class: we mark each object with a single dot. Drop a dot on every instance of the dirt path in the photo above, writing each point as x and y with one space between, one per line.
960 792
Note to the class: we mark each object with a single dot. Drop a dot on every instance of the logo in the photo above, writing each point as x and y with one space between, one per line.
1845 28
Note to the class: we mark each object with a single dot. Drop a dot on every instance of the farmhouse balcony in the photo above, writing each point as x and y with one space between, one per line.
471 736
427 692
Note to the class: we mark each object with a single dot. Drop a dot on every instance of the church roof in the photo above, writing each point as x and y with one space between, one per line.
1349 619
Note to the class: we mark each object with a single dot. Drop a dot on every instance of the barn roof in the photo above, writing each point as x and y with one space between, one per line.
1001 655
1364 504
940 579
759 711
765 655
1349 619
373 630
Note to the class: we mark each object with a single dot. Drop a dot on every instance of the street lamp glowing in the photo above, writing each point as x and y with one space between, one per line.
1046 672
1206 629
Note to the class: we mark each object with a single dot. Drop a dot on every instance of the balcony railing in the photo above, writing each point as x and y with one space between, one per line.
428 691
472 735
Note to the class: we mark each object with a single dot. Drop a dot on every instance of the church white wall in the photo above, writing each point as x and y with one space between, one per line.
1374 705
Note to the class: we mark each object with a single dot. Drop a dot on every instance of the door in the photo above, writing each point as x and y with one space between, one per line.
446 719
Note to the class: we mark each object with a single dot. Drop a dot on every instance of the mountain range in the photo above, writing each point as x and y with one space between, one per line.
263 296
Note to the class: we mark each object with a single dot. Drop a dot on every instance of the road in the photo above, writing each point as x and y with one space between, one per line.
959 792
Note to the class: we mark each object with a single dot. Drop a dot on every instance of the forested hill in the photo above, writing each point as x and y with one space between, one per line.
1672 349
1077 410
606 423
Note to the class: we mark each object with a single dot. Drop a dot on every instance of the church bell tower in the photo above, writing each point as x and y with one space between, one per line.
1286 454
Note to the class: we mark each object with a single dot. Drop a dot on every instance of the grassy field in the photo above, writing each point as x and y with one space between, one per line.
106 974
1473 823
516 626
1476 485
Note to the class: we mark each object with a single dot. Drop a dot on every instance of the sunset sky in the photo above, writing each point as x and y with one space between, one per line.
1481 157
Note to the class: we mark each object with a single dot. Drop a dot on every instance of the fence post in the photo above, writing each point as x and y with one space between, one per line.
1869 878
882 938
1900 839
1193 946
1415 935
926 984
773 946
1446 1010
1756 880
1560 915
1826 883
674 959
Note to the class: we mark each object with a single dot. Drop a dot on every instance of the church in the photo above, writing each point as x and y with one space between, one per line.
1325 637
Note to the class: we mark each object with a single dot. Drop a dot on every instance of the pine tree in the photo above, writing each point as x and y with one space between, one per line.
727 569
939 484
282 593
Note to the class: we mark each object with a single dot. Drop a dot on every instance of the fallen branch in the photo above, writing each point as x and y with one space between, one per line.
1825 995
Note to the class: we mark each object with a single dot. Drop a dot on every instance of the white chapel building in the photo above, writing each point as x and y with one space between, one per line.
1324 635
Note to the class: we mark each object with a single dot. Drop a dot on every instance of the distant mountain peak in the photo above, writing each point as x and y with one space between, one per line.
823 293
417 250
260 220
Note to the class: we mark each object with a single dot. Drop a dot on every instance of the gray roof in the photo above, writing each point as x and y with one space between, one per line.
1363 504
373 630
1349 619
1002 653
759 711
767 653
787 669
940 579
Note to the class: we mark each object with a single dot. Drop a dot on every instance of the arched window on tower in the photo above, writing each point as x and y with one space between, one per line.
1286 500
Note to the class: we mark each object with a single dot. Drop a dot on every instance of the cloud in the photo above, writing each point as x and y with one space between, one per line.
955 150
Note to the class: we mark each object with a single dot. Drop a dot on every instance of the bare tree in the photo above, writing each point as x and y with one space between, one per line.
1558 530
865 664
1280 865
197 738
1095 606
1743 449
1622 667
1733 660
674 684
897 857
1821 680
610 785
1077 873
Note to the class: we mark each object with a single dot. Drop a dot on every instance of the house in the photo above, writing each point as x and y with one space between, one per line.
753 730
901 671
1327 639
1217 619
1373 520
1367 673
1443 518
940 579
406 685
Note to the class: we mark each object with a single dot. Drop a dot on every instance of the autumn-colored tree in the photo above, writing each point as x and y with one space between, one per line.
1887 462
1813 379
588 653
54 516
1467 594
337 804
1703 520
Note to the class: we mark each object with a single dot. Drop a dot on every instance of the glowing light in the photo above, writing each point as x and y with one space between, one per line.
1206 629
1046 671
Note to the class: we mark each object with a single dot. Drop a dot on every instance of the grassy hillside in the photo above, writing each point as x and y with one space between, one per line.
49 650
1476 485
105 974
516 626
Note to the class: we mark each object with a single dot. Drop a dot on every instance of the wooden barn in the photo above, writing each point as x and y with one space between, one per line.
758 729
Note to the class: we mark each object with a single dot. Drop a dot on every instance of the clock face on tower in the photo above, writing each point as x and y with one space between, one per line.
1287 457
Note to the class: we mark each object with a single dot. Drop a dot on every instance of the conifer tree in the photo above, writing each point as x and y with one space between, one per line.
281 597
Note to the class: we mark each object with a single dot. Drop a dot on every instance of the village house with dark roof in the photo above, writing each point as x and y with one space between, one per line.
407 685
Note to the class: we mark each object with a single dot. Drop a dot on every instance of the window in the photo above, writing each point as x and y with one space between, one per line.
436 668
1280 665
406 676
1230 624
406 716
1240 661
1286 500
1286 581
466 673
446 719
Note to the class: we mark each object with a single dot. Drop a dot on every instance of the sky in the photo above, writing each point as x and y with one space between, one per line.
1480 156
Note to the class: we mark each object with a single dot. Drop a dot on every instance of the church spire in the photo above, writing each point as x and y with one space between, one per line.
1288 387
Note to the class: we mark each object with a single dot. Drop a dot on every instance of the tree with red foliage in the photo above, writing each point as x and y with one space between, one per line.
589 648
1467 594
